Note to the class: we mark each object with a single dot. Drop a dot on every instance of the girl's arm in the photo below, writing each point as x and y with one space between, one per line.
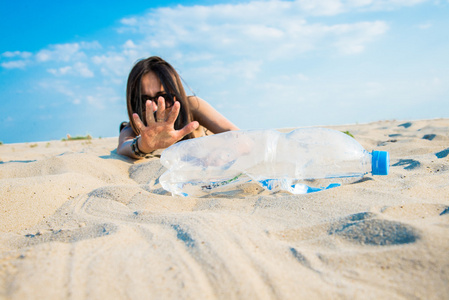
124 142
209 117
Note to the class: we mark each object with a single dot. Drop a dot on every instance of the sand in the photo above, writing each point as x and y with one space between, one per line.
78 221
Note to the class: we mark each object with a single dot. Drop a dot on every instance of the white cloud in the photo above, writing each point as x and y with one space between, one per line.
22 59
261 29
53 53
321 7
90 45
66 52
60 71
61 52
383 5
218 44
129 21
354 38
335 7
112 64
118 62
96 96
78 69
129 44
16 64
59 86
101 97
93 101
360 3
20 54
255 30
83 70
219 70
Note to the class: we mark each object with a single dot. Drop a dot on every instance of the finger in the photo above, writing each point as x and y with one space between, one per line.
137 121
160 114
149 108
189 128
174 113
169 109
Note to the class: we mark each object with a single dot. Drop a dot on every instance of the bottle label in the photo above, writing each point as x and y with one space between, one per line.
217 184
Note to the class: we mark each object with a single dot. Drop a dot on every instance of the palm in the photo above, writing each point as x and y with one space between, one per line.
161 133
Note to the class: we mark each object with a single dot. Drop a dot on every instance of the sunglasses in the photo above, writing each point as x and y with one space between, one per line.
169 101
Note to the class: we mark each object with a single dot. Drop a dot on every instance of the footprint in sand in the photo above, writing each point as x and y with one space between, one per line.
184 236
380 144
405 125
442 154
301 259
410 164
69 235
429 137
362 229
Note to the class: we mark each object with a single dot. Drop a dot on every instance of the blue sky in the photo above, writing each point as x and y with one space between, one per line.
263 64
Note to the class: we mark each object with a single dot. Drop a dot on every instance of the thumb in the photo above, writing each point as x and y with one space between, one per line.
189 128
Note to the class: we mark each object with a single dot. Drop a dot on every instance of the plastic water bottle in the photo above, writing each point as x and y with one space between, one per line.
299 162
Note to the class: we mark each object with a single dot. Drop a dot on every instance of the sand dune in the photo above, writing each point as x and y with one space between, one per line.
79 221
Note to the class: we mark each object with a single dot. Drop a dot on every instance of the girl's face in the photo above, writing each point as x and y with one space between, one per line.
152 89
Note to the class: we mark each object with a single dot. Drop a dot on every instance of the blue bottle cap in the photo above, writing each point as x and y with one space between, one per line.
380 163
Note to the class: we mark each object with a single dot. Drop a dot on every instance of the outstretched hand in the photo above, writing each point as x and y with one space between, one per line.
160 133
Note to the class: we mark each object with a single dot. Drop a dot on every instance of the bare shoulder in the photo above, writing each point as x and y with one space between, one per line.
200 108
195 102
208 116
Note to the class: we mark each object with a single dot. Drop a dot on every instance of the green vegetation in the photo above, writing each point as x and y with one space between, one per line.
348 133
75 138
33 145
1 143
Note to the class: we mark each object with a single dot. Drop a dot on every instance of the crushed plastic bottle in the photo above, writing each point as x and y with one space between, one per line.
302 161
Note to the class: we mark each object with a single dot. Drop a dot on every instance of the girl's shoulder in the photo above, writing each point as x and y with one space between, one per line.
198 107
194 101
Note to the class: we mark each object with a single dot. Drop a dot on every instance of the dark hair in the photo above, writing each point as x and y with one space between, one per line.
171 83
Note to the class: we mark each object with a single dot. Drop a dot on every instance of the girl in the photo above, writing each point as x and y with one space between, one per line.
160 113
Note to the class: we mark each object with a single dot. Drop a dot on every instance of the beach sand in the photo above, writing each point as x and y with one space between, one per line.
78 221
